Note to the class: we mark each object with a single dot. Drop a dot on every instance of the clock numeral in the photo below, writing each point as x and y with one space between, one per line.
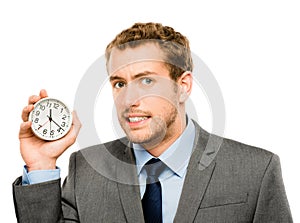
52 132
49 104
64 117
61 110
58 130
36 120
63 124
42 107
56 105
37 113
45 131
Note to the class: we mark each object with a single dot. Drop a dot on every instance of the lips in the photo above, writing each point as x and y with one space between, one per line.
137 119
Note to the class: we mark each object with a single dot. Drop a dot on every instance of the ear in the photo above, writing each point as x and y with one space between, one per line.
185 83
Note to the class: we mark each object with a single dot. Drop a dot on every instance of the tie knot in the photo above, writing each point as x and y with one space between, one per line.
154 168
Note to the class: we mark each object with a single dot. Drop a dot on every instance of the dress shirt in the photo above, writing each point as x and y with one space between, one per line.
176 158
39 176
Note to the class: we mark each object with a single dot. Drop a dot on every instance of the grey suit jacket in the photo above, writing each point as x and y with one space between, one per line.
226 181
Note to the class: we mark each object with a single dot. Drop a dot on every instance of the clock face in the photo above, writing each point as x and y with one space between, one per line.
51 119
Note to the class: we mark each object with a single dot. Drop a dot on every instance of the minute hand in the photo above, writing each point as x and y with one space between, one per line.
51 120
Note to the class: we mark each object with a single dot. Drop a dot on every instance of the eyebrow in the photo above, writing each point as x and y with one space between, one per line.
141 74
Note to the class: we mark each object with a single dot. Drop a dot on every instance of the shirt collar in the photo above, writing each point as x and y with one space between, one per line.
176 157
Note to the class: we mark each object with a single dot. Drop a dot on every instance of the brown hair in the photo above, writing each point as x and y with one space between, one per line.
174 45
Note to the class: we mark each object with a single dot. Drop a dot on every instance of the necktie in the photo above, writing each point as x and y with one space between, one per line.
151 202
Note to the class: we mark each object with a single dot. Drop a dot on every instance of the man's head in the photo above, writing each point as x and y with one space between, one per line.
175 46
149 67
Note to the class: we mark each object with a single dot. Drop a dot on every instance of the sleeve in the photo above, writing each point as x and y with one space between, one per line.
45 202
272 204
38 202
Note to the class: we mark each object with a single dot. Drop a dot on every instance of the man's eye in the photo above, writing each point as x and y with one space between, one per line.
119 84
146 81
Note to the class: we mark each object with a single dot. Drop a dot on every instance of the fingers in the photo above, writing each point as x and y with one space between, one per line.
76 123
43 93
25 130
26 111
34 98
31 101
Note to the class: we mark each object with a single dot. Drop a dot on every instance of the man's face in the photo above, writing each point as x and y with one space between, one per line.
146 98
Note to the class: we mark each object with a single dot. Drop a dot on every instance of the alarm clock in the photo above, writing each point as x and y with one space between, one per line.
51 119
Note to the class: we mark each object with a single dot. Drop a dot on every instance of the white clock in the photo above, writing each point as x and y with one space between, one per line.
51 119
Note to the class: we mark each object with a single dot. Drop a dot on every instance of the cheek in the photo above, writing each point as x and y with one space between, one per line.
159 105
118 98
117 105
162 94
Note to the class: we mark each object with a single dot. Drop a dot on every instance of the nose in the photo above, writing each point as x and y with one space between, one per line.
129 96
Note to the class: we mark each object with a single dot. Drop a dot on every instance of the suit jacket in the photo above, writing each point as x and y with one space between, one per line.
226 181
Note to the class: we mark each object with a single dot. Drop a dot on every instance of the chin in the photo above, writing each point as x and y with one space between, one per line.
144 135
145 139
137 139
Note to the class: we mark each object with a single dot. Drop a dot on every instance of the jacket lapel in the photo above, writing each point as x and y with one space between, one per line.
199 173
129 189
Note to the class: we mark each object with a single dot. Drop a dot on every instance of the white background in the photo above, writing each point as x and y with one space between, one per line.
251 47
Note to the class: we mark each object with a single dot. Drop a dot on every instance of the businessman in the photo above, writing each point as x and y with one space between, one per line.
166 169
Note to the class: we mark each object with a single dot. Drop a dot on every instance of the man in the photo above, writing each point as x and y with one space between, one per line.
156 173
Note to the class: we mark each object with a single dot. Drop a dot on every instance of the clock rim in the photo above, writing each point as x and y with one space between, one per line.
66 130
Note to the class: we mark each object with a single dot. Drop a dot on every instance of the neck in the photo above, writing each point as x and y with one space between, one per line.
158 147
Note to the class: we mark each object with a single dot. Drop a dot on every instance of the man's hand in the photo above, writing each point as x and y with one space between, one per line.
37 153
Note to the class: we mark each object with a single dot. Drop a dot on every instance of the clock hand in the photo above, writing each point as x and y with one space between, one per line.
40 126
50 127
51 120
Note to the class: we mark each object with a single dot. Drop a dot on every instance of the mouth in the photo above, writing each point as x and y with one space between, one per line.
135 120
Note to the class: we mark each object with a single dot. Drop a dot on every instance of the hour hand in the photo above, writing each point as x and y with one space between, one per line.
50 115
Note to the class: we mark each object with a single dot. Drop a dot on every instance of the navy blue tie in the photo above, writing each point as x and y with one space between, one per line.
152 205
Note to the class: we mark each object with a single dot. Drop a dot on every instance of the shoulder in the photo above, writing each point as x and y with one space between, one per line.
244 157
233 147
102 159
106 154
230 152
114 147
